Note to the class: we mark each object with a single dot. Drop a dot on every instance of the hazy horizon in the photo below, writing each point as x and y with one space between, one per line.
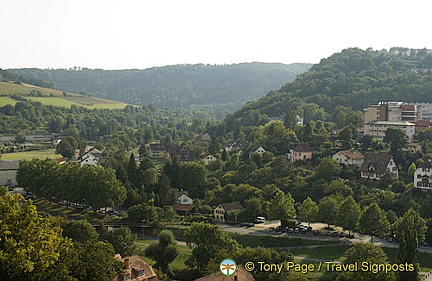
133 34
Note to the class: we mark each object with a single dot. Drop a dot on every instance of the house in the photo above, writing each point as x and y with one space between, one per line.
301 152
183 198
8 172
423 176
158 151
184 155
207 158
95 153
57 141
237 145
375 166
257 149
240 275
349 157
88 159
227 211
135 269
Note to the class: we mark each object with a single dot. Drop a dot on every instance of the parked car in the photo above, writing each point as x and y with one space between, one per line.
316 232
260 220
250 224
113 213
271 229
290 230
244 224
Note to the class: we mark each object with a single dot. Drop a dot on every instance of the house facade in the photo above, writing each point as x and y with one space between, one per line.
257 149
89 159
301 152
237 145
375 166
423 176
158 151
349 157
207 158
183 198
227 211
8 172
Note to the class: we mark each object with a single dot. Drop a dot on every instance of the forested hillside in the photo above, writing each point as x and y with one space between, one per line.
225 87
347 81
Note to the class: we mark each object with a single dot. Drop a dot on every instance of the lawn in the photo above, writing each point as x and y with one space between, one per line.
6 100
71 213
179 263
28 155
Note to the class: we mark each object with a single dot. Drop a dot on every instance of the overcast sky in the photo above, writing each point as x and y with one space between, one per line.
140 34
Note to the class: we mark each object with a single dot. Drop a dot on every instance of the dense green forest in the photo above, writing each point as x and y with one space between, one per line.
225 87
349 80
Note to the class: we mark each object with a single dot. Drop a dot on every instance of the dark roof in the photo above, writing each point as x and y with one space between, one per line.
241 274
376 163
254 148
183 207
182 192
9 165
231 206
303 147
352 154
237 144
425 165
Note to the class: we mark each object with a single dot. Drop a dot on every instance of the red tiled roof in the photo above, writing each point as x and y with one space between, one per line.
183 207
353 154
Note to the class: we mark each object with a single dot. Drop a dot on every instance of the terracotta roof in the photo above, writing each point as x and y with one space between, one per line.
303 147
376 163
352 154
231 206
135 265
9 165
183 207
241 275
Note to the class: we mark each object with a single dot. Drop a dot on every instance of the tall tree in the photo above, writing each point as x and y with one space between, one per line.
349 213
206 240
164 252
122 240
281 207
308 210
373 221
408 235
328 169
328 209
396 138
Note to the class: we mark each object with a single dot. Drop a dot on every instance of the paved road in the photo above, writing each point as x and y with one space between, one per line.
262 230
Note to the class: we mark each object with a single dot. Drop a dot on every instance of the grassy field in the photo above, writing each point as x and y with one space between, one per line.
184 253
7 100
69 212
28 155
55 97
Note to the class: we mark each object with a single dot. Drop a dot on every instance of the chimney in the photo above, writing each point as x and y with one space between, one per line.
126 263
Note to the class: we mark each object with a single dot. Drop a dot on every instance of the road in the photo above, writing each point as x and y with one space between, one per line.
262 230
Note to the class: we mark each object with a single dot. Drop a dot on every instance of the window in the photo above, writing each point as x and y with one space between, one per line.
185 200
418 176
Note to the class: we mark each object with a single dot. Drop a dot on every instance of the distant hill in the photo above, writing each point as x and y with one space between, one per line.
352 78
223 87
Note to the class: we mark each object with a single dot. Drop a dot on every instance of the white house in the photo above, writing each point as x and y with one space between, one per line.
183 198
423 176
227 210
8 172
257 149
375 166
377 129
349 157
89 159
207 158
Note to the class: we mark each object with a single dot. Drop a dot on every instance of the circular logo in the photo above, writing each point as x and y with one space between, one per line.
228 267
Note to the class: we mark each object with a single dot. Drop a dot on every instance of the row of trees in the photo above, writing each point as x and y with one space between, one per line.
88 185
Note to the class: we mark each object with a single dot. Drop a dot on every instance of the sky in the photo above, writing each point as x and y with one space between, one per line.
139 34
